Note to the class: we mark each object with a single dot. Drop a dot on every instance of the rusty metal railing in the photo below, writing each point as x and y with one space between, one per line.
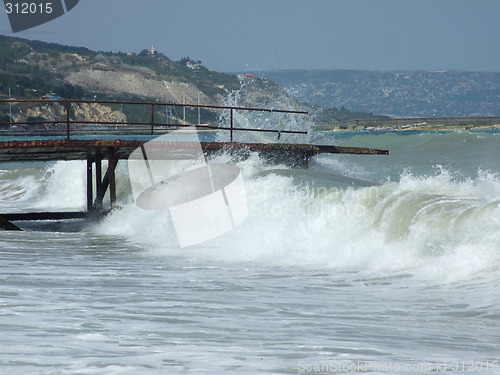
152 124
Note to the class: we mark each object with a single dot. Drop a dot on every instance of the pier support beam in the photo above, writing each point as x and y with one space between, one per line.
7 225
112 161
98 181
90 187
102 183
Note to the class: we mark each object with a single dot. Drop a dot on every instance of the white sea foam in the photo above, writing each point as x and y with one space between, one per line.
19 187
64 187
437 224
419 224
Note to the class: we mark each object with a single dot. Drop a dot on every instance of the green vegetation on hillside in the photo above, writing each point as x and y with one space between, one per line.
46 63
25 87
32 69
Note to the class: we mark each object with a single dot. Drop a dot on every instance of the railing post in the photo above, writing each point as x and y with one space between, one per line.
152 118
231 127
68 107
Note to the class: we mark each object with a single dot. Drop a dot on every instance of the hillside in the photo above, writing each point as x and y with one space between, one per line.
32 69
397 93
136 75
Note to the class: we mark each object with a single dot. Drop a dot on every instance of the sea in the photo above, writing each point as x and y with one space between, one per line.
379 264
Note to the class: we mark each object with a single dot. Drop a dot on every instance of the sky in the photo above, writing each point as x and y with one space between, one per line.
252 35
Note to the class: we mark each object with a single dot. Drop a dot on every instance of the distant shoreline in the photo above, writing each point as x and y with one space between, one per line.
356 125
416 127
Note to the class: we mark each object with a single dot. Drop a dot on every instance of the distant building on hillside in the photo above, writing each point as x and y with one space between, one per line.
193 65
247 76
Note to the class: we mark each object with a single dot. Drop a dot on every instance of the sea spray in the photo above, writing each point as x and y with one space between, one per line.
20 185
64 187
280 100
416 225
55 186
441 223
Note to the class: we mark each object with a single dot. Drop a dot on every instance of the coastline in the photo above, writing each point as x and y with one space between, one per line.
406 128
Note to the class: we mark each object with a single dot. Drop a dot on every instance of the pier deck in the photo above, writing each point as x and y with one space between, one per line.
64 150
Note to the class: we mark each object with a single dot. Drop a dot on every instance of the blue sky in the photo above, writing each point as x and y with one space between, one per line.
239 35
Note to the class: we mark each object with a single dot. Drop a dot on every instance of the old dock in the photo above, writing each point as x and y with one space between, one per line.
71 138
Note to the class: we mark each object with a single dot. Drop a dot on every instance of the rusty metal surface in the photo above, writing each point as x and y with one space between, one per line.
66 101
50 150
351 150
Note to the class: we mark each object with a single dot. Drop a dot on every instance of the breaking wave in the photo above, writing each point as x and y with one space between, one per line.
442 223
429 224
